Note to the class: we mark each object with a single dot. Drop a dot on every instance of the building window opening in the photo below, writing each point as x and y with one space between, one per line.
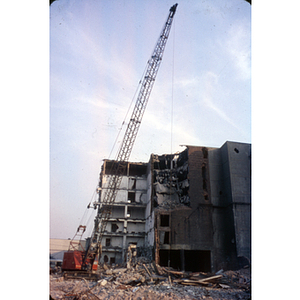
170 258
134 184
114 227
112 260
113 168
137 170
203 172
197 260
188 260
164 220
105 258
236 150
107 242
204 184
167 237
131 196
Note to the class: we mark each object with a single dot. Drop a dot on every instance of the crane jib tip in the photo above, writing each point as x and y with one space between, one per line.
173 8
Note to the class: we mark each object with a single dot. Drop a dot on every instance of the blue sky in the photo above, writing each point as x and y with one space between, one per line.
98 52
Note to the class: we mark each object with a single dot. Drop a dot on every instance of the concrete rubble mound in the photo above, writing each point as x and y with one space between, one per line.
147 281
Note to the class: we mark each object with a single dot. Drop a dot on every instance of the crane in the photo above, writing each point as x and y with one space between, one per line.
88 260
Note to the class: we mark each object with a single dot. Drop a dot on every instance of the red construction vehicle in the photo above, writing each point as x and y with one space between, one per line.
74 259
82 260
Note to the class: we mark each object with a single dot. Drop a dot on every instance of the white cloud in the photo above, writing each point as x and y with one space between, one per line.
204 90
211 83
238 48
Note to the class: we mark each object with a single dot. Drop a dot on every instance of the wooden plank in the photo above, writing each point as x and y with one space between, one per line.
158 277
172 272
187 282
200 281
224 286
146 270
159 269
195 278
210 278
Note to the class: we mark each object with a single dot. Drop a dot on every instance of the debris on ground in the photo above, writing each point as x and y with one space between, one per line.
149 281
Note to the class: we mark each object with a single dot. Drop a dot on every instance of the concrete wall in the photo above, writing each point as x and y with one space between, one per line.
135 227
193 226
230 182
190 222
224 254
239 156
149 213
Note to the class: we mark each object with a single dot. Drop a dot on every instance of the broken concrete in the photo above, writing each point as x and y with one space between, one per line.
147 280
170 180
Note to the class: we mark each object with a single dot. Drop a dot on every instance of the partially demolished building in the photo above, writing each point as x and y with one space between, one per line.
127 222
190 210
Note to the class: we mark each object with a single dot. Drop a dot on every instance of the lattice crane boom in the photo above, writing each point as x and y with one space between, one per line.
119 165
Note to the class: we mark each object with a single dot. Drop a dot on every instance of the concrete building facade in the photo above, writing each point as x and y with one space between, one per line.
127 222
190 210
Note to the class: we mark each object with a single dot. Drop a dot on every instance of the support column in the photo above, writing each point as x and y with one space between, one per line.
125 234
182 261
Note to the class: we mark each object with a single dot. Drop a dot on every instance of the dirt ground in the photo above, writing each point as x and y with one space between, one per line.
143 283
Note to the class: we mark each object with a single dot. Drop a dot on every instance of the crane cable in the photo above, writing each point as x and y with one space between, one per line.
123 123
172 92
116 140
82 221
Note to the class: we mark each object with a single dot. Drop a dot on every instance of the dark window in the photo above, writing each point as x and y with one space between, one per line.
112 168
164 221
188 260
156 165
105 258
236 150
197 260
114 227
112 260
131 196
137 170
167 237
132 184
204 172
205 152
204 184
107 242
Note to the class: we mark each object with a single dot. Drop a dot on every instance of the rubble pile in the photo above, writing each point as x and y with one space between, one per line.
147 281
